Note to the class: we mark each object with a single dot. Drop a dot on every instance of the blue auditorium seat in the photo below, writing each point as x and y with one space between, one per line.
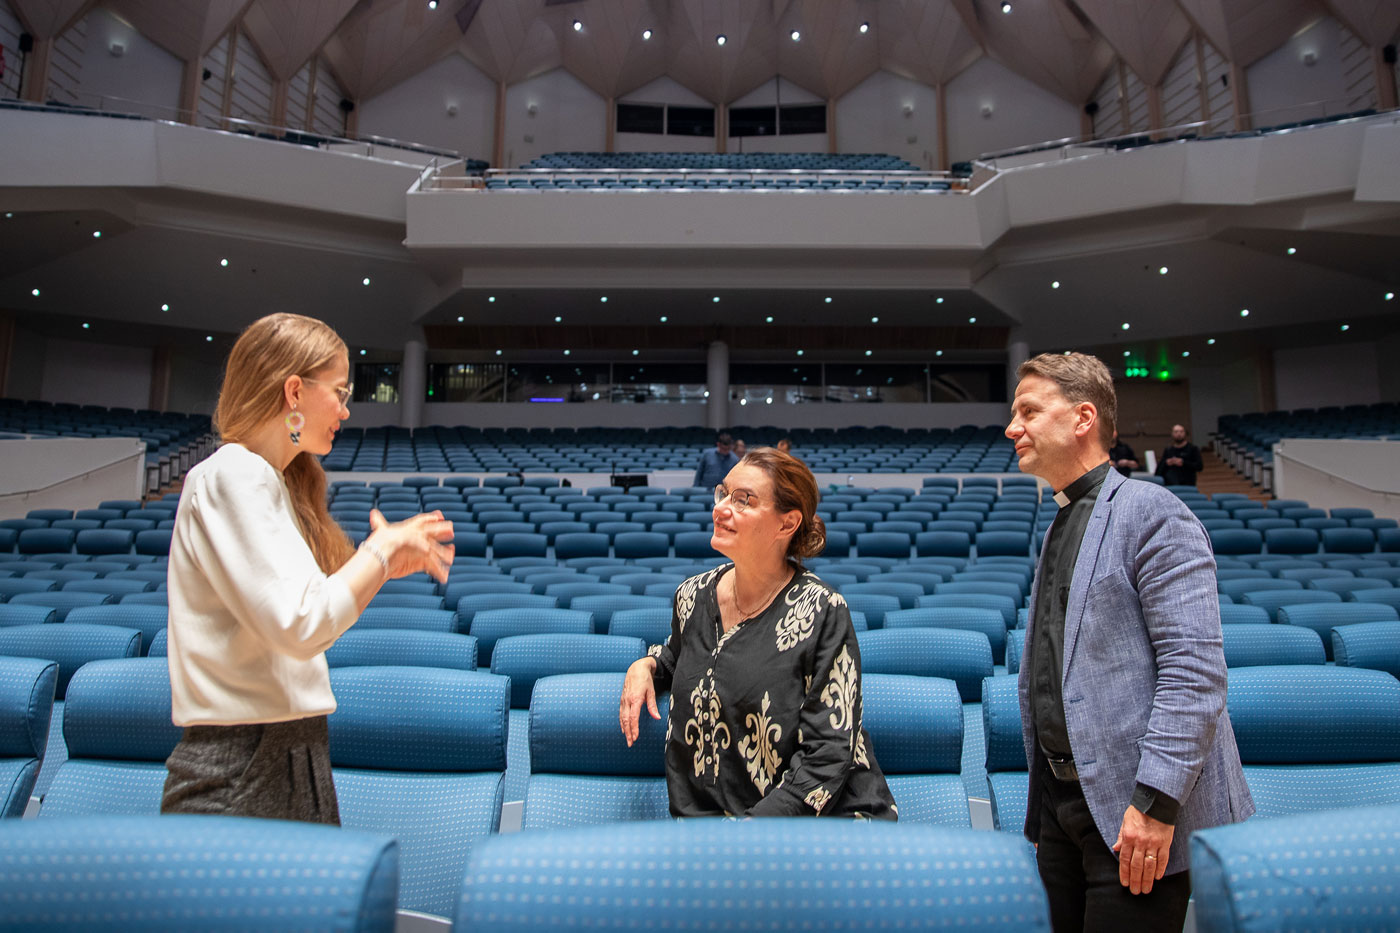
419 754
1007 774
1374 645
987 622
1005 604
963 657
1260 645
916 730
1272 600
490 625
27 689
427 620
652 625
602 607
907 593
1322 618
1313 737
403 648
128 861
61 602
839 858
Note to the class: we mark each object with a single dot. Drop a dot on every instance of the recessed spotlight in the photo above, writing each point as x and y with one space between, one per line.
491 298
769 319
460 318
223 263
743 401
869 352
578 27
9 214
1185 353
432 4
1162 270
86 326
864 28
165 307
646 34
715 299
364 281
1292 250
1389 296
1244 312
801 352
707 393
938 301
498 352
664 319
972 320
720 39
208 338
603 299
938 353
827 299
1126 325
1210 342
1006 8
795 35
1127 352
875 320
1055 284
558 319
1067 352
567 352
363 352
34 292
97 234
636 352
1346 327
768 400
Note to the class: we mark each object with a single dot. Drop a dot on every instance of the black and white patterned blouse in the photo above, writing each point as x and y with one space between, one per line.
766 718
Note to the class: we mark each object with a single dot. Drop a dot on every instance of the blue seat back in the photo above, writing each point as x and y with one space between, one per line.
69 645
491 625
1259 645
403 648
963 657
527 658
916 733
1006 752
1374 645
26 703
148 620
1322 618
988 622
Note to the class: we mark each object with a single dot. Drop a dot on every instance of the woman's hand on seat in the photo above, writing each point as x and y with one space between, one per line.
636 689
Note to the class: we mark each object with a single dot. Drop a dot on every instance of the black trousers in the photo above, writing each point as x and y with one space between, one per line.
1080 873
278 771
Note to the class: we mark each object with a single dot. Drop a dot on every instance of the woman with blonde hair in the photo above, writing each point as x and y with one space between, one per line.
763 666
262 581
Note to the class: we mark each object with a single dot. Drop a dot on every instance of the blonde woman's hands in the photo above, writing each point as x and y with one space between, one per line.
637 688
421 543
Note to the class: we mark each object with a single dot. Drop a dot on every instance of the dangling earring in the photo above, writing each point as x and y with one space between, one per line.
295 421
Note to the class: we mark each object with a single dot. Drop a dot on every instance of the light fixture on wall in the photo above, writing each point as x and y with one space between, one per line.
1310 57
796 35
1006 8
451 108
987 110
907 110
646 34
720 39
532 108
578 27
117 48
864 28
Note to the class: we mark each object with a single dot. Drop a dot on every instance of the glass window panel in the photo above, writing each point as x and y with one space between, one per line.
876 382
669 383
557 382
377 382
465 382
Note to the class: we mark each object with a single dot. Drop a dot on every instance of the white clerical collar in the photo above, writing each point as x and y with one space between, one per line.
1061 499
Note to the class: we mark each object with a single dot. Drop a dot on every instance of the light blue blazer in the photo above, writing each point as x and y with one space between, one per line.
1144 669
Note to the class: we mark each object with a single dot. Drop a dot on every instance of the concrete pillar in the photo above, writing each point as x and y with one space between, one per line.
413 383
160 380
190 82
1017 352
498 143
36 71
717 381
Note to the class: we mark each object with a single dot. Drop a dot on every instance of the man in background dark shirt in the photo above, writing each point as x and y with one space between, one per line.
716 463
1181 461
1123 457
1122 684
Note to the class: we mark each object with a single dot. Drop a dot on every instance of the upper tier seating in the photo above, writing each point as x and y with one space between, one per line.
1254 435
738 161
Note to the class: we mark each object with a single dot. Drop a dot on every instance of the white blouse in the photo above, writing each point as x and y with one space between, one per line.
251 613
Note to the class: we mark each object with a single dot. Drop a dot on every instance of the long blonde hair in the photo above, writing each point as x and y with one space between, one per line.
266 353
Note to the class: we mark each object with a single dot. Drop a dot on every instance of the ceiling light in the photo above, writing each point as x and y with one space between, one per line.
432 4
567 352
768 400
364 281
1389 296
604 299
646 34
1210 342
720 40
1126 352
1006 8
801 352
938 301
1185 353
363 352
828 299
938 353
769 319
1292 250
707 393
715 299
1162 270
875 320
795 35
208 338
97 234
460 319
86 325
1054 284
9 214
34 292
224 263
1126 325
743 401
972 320
498 352
635 352
1346 327
664 319
1244 312
491 298
165 307
578 27
558 319
864 28
869 352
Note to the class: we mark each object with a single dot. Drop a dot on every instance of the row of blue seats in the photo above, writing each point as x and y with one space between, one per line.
723 160
1237 542
1241 874
687 183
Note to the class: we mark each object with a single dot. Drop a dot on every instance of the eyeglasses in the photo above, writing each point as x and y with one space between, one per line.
740 500
341 392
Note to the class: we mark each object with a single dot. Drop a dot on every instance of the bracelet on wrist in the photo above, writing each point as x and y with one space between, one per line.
373 551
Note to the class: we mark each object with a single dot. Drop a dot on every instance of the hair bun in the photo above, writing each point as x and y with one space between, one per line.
813 541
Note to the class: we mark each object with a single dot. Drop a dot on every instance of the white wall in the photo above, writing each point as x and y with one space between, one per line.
1283 89
96 374
416 109
1023 112
569 116
1328 474
1231 389
10 29
145 73
870 118
1339 374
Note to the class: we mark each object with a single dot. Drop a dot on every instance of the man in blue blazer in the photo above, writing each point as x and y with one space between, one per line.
1122 682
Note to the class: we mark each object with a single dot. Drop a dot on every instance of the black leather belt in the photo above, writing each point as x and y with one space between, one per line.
1062 768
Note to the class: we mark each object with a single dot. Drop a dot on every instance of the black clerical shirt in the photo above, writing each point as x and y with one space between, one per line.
1047 650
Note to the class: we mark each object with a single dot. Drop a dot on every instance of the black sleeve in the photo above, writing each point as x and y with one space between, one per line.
1194 461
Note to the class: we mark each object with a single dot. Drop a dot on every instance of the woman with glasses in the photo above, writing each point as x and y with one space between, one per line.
262 581
763 667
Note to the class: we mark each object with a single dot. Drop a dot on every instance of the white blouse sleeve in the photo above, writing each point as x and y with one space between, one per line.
242 538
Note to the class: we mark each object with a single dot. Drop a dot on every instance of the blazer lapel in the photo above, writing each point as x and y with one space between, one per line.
1087 561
